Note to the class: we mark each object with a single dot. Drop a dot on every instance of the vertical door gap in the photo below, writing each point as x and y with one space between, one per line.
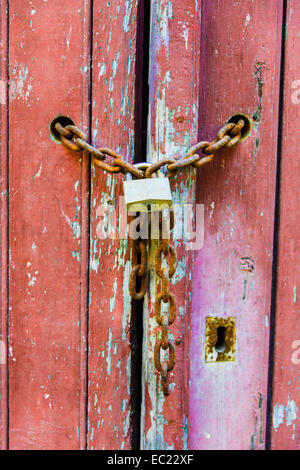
276 231
140 155
142 77
84 445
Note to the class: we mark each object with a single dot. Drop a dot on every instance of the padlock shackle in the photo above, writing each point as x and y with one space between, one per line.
144 167
155 167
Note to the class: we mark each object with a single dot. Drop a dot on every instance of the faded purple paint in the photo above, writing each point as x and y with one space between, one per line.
228 400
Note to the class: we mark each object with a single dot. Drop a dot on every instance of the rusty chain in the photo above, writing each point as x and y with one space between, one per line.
75 139
138 269
138 283
228 136
163 320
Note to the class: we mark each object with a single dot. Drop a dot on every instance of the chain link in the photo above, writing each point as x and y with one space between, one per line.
75 139
138 269
163 320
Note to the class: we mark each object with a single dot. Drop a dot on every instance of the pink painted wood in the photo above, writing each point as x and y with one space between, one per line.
48 65
113 104
285 430
240 68
173 127
3 224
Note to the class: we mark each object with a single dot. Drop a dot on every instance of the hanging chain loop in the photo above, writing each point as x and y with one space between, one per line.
163 320
75 139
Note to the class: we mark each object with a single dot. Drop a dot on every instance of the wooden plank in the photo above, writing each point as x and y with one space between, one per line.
3 224
49 74
240 69
113 123
285 430
173 127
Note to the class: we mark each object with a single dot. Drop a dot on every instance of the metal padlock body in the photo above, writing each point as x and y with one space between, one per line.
149 194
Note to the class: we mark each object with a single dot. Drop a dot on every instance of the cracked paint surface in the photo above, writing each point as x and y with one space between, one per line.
109 405
285 430
233 271
172 128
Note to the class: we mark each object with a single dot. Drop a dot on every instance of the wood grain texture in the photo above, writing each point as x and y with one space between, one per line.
173 127
3 223
113 104
285 430
49 75
63 288
240 69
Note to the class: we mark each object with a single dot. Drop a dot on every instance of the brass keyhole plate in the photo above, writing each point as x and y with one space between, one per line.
220 339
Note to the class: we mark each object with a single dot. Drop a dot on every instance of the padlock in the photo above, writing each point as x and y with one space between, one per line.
148 194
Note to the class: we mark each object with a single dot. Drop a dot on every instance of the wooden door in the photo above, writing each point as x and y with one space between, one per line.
148 80
284 427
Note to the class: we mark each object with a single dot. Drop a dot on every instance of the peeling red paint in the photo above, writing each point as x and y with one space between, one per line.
64 389
114 38
285 430
233 271
174 90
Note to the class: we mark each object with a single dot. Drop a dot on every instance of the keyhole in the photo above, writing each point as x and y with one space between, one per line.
220 346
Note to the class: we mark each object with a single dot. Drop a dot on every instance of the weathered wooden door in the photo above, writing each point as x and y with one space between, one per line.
148 80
